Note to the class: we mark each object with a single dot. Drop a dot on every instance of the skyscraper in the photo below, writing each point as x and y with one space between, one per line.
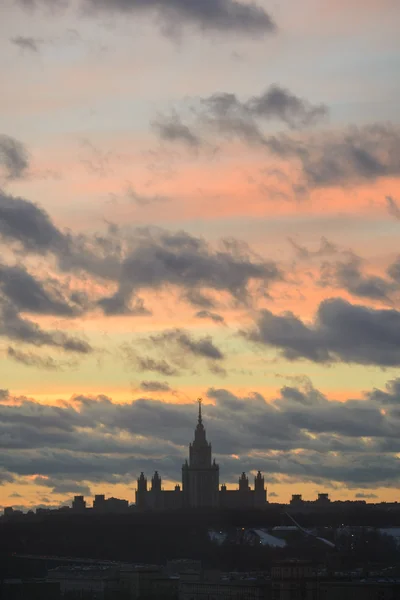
200 483
200 476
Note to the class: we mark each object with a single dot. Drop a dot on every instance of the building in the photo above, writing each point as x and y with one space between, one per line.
79 504
294 580
101 504
200 483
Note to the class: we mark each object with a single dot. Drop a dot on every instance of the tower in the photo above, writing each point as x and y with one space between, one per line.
141 492
260 493
244 483
200 476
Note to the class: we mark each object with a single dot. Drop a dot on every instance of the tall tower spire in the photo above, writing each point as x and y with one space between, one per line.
200 401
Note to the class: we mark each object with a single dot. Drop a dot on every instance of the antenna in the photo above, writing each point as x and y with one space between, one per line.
200 402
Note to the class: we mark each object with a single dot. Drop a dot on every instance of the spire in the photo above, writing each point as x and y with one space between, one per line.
200 421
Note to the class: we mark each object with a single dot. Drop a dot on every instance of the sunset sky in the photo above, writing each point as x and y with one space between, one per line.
199 198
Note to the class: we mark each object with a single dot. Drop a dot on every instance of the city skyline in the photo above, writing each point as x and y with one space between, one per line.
199 199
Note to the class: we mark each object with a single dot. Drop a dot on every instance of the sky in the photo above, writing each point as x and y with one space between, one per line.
199 198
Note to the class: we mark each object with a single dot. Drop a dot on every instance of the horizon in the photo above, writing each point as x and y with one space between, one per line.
199 200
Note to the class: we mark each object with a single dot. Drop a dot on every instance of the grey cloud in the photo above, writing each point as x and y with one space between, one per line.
214 15
171 129
26 43
14 327
393 207
206 15
25 222
147 363
364 496
344 445
341 332
29 359
144 199
159 258
146 258
206 314
281 104
154 386
227 112
62 486
326 248
30 295
6 477
202 347
348 275
345 158
14 158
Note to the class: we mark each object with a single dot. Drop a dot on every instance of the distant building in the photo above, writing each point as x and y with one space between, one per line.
101 504
78 504
200 483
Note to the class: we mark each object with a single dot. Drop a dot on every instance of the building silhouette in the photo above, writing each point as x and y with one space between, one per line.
200 483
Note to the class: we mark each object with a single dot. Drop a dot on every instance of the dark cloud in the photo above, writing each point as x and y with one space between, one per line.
26 43
214 15
146 363
228 114
207 15
160 258
29 359
27 294
25 222
62 486
15 327
341 332
225 114
349 276
171 129
207 314
14 158
6 477
301 434
355 155
393 207
154 386
203 347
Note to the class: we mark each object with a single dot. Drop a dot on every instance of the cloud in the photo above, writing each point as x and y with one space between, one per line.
393 207
145 363
206 314
25 222
142 259
326 248
27 294
14 158
223 113
203 347
29 359
144 199
154 386
341 332
171 129
226 112
63 486
363 496
206 15
348 157
299 434
15 327
348 275
6 477
26 43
